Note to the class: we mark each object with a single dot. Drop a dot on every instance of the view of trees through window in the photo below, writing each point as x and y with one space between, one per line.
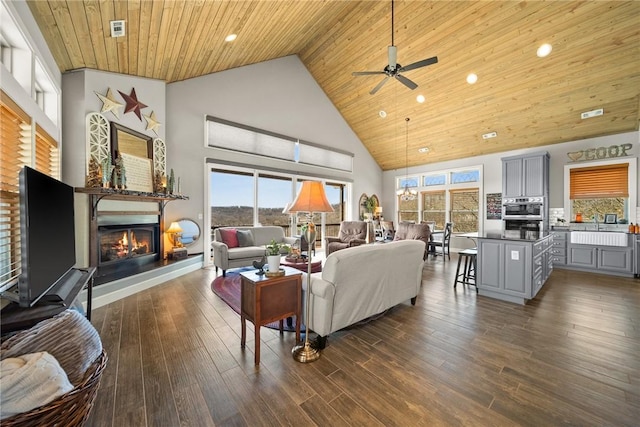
591 207
234 195
464 210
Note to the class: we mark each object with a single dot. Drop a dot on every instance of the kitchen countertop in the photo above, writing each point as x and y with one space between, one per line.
498 236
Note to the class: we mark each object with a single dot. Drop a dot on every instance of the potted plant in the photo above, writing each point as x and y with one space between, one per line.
274 251
370 204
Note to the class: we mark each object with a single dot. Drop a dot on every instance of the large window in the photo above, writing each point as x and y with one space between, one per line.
434 207
464 210
444 196
599 190
232 198
18 148
274 192
244 197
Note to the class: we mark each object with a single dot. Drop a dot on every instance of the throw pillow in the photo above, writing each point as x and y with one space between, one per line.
245 238
229 237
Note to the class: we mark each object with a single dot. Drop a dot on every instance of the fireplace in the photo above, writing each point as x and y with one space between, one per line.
125 249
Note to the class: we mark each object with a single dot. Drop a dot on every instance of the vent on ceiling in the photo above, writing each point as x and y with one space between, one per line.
592 113
489 135
117 28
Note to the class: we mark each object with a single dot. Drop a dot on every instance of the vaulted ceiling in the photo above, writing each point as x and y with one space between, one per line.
528 101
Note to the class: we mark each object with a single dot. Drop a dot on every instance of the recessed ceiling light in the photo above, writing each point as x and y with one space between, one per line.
230 37
423 150
420 98
382 114
472 78
544 50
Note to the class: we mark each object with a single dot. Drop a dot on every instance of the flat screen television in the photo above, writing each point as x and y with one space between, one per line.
47 234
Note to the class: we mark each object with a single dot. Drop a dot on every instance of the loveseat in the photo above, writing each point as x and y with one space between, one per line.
359 282
247 246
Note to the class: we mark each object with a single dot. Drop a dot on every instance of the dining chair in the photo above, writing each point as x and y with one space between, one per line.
442 242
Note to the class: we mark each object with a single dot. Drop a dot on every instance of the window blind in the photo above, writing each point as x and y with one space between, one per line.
599 182
15 151
47 158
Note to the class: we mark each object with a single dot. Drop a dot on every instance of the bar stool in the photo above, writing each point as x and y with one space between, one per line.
468 275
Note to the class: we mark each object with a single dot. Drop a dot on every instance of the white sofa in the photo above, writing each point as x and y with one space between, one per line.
225 257
358 282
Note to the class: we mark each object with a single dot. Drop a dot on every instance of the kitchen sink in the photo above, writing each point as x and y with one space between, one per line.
602 238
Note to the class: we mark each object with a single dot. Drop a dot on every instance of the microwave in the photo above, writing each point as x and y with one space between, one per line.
523 208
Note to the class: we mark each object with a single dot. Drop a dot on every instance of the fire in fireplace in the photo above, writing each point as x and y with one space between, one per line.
125 248
117 245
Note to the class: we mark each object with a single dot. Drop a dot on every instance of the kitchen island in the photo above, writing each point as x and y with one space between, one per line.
512 269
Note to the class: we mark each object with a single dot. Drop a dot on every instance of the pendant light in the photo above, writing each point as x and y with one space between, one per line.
407 194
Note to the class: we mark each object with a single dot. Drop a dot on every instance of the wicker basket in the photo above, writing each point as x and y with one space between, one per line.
69 410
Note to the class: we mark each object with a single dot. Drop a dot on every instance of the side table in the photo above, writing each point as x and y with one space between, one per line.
266 299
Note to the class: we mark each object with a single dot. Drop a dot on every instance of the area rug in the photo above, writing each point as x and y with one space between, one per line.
228 289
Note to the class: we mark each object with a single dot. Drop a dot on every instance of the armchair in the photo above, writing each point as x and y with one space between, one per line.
352 233
422 232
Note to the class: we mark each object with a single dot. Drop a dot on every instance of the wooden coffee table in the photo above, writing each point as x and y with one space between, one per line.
266 299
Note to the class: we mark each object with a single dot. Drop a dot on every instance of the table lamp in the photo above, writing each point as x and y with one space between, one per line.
174 230
310 199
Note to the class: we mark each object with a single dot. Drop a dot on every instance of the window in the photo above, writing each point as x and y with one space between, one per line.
464 210
274 192
599 190
246 197
237 137
434 207
232 198
15 149
444 196
336 195
408 210
431 180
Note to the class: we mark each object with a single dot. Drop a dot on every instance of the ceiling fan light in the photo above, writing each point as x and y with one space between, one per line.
544 50
472 78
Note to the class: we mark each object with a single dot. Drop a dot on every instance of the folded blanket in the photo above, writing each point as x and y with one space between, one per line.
30 381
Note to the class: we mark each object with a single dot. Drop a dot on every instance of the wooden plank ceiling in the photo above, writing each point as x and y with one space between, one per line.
528 101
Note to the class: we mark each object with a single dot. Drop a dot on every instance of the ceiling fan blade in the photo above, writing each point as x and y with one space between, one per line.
405 81
393 57
366 73
377 88
419 64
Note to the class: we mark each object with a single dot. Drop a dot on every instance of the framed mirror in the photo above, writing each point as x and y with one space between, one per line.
190 231
128 141
136 150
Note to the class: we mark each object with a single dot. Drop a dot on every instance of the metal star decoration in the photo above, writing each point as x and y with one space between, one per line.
152 122
109 103
132 103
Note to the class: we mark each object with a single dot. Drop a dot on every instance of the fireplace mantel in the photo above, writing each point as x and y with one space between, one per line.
98 194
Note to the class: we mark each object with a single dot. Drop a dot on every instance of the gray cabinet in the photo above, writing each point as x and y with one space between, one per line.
558 252
526 175
601 258
513 270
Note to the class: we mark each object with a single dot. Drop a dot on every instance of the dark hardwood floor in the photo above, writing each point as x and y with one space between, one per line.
571 356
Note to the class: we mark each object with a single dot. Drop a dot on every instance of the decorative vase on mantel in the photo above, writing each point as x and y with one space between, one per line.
274 262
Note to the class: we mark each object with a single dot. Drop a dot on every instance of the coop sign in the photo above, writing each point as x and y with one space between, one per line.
609 152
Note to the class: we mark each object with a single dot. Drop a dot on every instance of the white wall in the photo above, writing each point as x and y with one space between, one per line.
493 169
25 21
279 96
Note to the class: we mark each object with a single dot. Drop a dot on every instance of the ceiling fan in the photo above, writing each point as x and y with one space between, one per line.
393 69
